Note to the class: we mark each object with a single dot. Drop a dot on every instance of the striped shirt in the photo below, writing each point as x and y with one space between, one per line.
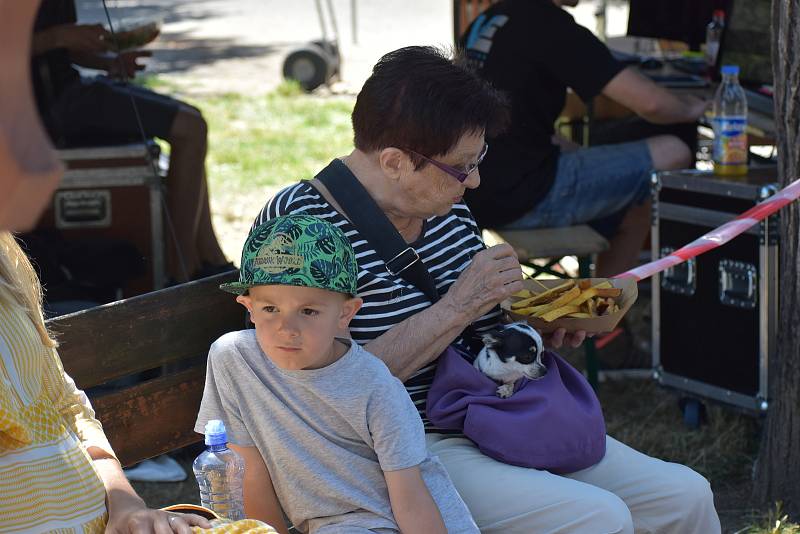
446 246
47 480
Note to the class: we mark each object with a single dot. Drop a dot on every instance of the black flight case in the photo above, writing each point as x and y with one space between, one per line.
714 316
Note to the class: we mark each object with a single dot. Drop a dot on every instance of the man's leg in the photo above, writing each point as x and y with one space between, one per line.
188 192
207 245
185 190
507 499
599 182
667 153
102 108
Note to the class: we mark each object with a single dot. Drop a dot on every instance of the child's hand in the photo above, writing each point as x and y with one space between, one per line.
131 516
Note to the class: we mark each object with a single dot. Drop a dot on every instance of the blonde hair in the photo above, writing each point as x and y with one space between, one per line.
19 279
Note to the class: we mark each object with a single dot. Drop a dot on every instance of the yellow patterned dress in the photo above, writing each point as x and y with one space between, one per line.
47 480
48 483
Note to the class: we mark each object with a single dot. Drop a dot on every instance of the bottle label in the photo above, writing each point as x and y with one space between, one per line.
712 49
730 141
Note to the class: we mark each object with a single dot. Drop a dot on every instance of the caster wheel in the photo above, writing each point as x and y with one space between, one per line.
694 412
311 65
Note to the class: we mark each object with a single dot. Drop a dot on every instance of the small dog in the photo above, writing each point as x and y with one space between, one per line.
509 353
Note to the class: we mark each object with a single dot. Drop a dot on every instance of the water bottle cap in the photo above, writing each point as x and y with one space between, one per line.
215 433
730 69
719 13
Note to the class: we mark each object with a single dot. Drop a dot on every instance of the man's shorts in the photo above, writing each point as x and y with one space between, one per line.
101 111
593 185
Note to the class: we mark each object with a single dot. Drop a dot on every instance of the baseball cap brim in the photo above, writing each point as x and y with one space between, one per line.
237 288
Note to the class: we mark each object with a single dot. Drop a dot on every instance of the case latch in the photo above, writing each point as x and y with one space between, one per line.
681 278
738 284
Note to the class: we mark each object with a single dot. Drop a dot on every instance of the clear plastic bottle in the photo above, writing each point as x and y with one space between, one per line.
730 125
714 36
220 474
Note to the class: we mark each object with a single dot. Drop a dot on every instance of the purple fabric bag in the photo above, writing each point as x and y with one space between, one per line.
553 423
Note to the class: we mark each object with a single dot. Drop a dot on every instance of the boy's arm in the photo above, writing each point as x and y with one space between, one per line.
260 501
413 507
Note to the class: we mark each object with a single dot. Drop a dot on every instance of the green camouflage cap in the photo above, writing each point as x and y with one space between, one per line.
297 250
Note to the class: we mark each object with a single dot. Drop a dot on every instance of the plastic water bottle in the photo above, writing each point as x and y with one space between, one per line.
714 36
220 474
730 125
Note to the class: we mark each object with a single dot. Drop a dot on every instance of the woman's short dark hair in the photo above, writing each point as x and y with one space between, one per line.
419 99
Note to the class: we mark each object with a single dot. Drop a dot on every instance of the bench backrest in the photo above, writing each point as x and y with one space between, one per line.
170 329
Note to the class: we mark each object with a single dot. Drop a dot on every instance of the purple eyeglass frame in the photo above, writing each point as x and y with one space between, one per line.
458 174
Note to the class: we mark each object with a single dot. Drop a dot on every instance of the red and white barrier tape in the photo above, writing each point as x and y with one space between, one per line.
719 236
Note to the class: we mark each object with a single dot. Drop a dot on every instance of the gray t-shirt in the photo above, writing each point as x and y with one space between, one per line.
326 435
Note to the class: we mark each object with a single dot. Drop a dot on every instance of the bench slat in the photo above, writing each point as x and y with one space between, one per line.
146 331
578 240
154 417
132 150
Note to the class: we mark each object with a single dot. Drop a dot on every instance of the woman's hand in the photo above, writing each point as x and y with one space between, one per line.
129 515
127 512
493 275
558 337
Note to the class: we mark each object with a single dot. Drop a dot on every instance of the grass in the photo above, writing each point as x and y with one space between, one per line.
271 140
722 450
775 522
281 138
258 144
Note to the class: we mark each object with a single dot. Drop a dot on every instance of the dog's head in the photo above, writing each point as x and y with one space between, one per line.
515 340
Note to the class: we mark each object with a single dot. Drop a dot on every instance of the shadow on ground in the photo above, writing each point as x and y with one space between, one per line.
176 52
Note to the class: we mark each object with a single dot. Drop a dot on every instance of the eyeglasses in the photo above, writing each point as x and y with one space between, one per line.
458 174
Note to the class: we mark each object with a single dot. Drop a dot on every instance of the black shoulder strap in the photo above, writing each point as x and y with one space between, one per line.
401 259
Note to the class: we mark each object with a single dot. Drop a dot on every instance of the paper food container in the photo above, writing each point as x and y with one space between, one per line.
597 325
136 35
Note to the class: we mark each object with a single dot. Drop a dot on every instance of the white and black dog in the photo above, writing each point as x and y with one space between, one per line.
510 352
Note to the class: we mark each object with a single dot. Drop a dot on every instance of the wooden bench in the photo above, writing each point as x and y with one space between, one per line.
171 330
553 245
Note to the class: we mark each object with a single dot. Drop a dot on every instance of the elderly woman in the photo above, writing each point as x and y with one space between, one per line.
419 124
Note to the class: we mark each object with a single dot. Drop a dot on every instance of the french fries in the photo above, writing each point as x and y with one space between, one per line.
572 299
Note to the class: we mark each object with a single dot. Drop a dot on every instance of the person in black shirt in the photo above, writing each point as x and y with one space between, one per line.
79 111
534 50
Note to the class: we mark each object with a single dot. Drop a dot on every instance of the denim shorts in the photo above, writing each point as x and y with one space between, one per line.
592 184
100 111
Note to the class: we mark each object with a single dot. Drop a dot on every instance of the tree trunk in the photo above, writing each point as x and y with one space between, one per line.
778 467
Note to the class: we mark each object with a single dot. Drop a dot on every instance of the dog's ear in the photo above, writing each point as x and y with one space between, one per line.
535 336
536 341
491 338
539 347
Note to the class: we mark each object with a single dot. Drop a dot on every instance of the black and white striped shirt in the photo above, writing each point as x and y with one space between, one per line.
446 246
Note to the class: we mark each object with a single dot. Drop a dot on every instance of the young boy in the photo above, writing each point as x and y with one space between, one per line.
325 430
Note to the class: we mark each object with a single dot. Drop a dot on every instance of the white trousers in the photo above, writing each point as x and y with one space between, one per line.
626 492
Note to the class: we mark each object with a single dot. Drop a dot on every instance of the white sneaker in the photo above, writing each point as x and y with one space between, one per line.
159 469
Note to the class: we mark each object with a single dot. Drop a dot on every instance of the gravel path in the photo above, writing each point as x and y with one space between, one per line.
239 46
